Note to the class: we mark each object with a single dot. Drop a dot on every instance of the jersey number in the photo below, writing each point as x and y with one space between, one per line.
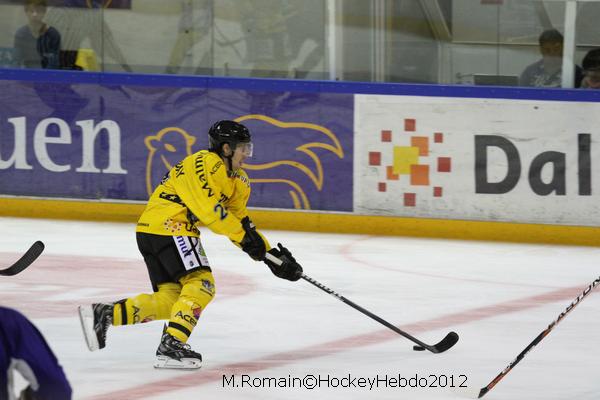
221 210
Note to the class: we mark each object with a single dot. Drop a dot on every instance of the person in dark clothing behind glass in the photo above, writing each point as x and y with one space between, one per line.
591 70
547 72
37 45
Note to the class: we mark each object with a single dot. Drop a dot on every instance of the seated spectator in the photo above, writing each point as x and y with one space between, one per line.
37 45
547 72
591 70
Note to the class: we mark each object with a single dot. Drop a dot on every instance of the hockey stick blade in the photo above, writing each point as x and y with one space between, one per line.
446 343
25 261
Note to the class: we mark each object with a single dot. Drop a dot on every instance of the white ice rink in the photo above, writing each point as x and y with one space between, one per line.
498 297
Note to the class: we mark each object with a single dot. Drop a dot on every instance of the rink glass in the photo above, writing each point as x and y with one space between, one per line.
409 41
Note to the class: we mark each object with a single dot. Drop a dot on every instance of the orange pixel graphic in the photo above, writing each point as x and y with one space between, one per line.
386 136
411 160
444 164
374 158
422 142
391 176
419 175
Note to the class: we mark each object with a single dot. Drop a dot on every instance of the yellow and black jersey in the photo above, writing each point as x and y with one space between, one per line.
199 188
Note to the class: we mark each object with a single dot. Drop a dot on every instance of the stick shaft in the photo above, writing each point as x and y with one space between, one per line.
363 310
539 338
446 343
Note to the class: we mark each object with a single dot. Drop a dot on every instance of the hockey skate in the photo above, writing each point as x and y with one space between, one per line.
95 320
174 354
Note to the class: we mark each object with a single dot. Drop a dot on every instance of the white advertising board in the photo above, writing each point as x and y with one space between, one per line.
526 161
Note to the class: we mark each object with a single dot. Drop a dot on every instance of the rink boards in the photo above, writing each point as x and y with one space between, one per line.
329 156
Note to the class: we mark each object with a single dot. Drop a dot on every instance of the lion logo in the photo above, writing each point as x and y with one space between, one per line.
311 166
289 170
165 149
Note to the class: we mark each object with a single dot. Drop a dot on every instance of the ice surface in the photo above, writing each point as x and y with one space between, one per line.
498 297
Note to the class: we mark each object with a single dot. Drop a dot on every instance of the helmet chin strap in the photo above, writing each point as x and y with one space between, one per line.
229 163
228 159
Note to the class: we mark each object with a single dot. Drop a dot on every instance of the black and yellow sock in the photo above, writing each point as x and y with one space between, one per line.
198 289
147 307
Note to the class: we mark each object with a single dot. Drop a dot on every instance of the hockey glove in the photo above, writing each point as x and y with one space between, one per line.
252 243
289 269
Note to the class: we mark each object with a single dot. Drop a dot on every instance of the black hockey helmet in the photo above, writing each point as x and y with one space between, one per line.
229 132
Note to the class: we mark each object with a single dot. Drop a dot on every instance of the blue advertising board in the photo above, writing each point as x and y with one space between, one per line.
90 136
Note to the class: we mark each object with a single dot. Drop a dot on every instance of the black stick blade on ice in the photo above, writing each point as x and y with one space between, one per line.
447 342
25 261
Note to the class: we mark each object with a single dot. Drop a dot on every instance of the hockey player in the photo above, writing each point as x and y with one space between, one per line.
24 349
208 187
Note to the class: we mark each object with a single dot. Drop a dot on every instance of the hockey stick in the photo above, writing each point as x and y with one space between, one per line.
446 343
538 339
25 261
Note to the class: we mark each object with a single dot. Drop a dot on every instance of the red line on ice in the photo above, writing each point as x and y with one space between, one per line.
107 278
205 376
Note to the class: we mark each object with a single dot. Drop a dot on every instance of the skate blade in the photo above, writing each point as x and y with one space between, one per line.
162 362
86 317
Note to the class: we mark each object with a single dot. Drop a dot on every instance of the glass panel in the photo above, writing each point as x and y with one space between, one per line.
81 27
261 27
588 24
270 38
412 46
356 40
308 41
26 40
421 41
588 44
530 24
12 18
495 41
189 47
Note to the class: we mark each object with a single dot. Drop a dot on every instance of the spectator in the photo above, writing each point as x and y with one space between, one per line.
591 70
37 45
547 72
24 349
